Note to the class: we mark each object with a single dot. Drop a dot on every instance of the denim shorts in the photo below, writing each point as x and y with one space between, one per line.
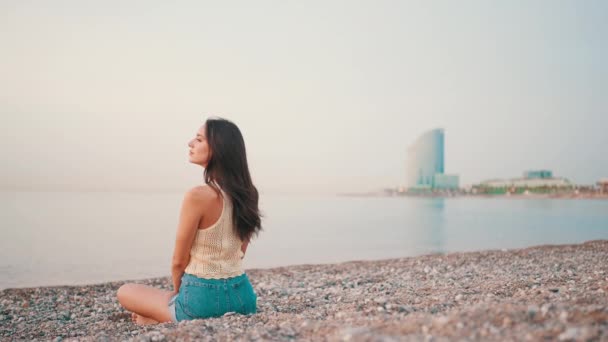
205 298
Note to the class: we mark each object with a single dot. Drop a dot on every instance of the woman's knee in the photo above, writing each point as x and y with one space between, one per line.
123 293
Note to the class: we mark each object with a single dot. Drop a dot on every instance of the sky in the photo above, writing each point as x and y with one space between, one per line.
105 95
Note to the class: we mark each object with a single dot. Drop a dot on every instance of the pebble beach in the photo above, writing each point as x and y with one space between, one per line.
550 292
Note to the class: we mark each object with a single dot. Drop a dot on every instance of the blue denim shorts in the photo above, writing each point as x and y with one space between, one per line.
205 298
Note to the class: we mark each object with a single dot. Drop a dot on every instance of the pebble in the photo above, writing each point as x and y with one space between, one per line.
380 300
532 310
385 300
569 334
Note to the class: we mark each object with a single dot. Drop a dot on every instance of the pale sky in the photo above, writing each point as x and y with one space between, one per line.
328 94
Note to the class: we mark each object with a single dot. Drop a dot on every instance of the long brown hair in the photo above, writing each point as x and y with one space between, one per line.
228 168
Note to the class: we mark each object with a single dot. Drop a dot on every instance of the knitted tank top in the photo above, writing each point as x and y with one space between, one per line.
216 251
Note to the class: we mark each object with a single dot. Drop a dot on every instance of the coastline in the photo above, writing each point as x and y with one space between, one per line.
568 196
556 292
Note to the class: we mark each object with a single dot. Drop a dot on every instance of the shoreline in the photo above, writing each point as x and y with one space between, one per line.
272 268
484 196
540 292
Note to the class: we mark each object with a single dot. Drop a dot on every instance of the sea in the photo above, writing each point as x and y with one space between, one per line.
76 238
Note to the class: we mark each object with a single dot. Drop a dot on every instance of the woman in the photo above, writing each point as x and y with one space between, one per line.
216 223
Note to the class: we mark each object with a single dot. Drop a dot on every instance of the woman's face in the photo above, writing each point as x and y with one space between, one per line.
199 149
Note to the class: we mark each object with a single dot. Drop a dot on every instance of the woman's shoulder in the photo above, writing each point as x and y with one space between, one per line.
202 193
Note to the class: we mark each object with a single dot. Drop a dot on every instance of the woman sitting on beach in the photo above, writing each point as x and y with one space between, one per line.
216 223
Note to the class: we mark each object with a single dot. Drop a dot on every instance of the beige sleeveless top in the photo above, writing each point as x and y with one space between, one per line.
216 251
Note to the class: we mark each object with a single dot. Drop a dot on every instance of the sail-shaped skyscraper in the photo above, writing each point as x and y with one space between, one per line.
425 163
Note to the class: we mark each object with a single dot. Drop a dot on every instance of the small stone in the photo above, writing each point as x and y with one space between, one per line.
563 317
102 337
380 300
441 321
532 310
353 333
458 297
289 332
405 308
569 334
157 337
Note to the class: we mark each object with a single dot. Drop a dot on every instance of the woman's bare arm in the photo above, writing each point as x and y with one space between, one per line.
190 216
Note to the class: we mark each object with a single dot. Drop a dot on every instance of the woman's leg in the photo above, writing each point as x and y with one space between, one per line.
146 301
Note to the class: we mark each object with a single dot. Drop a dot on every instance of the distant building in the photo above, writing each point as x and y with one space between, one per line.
544 174
442 181
425 163
527 183
603 184
425 159
531 179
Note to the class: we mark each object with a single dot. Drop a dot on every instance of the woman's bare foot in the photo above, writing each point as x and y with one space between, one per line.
141 320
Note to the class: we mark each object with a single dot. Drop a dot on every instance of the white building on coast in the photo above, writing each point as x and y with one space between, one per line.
527 183
531 179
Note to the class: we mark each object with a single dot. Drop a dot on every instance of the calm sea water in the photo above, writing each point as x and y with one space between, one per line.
57 238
